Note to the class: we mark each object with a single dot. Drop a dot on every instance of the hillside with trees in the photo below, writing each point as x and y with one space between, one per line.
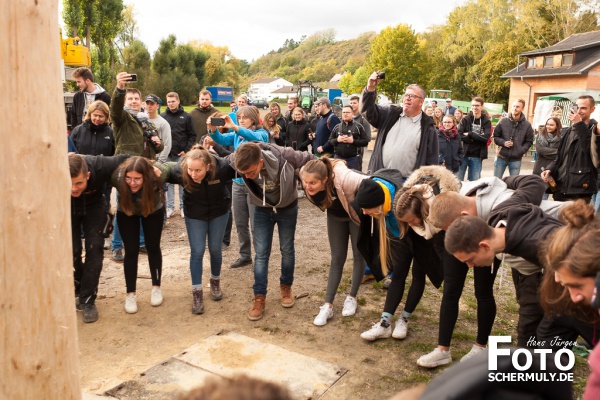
479 42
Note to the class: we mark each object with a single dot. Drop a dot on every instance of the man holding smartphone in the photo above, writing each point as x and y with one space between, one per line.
347 139
574 169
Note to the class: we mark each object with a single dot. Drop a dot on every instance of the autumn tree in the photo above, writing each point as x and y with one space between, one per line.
396 51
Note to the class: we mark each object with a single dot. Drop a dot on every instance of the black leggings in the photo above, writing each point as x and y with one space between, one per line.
130 232
455 273
403 251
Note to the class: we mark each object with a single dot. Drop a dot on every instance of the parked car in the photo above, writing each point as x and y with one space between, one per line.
260 104
338 104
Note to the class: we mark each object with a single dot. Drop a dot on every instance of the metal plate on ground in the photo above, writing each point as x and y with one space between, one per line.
226 355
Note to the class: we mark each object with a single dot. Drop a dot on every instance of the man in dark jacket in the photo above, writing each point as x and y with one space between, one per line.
400 130
513 136
183 137
89 175
474 130
89 92
324 127
200 114
348 138
574 169
358 118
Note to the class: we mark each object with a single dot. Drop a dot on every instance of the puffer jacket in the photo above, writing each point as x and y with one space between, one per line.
94 139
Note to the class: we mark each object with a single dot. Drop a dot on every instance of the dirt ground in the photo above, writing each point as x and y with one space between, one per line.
120 346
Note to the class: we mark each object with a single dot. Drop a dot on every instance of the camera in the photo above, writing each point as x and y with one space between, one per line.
149 134
215 121
133 78
381 75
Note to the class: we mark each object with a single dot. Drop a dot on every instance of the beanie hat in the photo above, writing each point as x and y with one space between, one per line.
370 194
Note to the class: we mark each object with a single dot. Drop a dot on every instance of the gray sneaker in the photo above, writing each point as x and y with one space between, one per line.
117 255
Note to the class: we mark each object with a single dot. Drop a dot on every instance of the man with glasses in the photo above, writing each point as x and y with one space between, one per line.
474 130
400 130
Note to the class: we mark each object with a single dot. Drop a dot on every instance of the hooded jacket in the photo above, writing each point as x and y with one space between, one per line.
101 169
129 136
521 134
199 116
94 139
79 100
475 143
581 154
183 135
276 184
384 118
208 199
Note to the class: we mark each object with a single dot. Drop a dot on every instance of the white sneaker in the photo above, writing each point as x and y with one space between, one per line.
401 329
434 359
181 211
377 332
130 304
170 212
349 306
156 298
325 313
475 350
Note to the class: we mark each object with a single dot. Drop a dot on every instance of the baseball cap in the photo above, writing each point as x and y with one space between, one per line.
448 99
324 100
153 98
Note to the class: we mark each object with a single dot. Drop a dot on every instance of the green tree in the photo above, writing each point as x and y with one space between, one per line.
396 51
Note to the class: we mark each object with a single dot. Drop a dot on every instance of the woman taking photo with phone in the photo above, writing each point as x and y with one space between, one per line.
141 199
206 204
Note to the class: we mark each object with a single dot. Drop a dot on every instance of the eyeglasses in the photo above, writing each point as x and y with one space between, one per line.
136 180
412 96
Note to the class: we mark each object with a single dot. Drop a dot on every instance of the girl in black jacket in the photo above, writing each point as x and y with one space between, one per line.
206 205
297 132
94 136
451 152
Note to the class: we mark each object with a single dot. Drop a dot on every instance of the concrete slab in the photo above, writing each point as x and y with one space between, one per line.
227 354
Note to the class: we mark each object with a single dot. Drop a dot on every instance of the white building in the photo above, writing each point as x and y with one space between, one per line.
264 88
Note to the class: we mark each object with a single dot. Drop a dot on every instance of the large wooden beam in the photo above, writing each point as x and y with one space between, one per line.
38 351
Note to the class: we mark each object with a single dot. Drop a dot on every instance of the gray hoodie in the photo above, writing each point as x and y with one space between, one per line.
276 185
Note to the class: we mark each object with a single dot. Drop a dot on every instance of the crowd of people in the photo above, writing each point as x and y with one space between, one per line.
411 212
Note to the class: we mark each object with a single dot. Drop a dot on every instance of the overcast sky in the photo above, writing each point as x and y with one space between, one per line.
252 28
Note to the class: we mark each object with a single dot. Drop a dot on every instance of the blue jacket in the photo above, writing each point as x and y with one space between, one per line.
323 131
236 139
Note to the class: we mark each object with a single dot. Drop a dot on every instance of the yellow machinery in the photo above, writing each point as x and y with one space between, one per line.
73 53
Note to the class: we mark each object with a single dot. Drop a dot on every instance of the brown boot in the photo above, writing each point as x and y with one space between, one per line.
258 307
198 307
215 289
287 298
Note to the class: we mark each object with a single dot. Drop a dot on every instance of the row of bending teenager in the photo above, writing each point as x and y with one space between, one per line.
391 224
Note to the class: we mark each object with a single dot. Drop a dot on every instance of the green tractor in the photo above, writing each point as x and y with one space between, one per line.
307 95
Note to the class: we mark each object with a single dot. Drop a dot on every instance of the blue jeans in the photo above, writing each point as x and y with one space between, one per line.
171 189
596 201
264 226
197 231
474 164
514 167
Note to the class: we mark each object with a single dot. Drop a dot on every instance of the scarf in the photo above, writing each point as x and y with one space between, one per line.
449 133
549 139
140 116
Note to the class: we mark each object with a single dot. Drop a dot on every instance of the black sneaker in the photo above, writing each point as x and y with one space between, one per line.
143 249
241 262
90 313
78 304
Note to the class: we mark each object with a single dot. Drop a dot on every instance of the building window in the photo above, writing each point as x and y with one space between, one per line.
531 62
548 61
567 60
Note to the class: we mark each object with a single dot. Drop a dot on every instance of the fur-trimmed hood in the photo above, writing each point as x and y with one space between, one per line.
446 180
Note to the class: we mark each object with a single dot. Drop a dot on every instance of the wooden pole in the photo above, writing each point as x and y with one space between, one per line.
38 334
